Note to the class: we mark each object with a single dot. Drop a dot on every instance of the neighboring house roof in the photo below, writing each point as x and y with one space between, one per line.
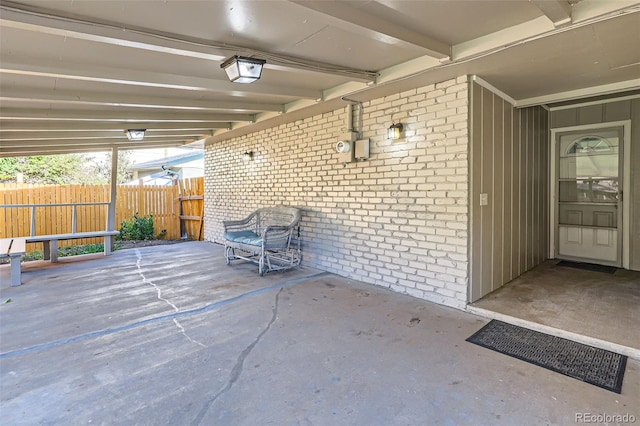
175 160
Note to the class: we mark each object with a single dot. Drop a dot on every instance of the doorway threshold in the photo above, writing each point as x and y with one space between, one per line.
589 307
631 352
588 266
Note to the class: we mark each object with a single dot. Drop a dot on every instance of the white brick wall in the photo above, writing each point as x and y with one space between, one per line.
398 220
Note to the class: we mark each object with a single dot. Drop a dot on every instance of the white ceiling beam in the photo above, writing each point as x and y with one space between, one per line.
6 137
502 38
587 10
119 117
327 95
558 11
129 101
605 89
412 67
583 13
332 93
61 126
25 17
88 141
73 149
129 77
358 17
38 20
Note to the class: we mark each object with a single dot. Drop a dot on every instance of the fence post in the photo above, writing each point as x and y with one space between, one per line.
141 206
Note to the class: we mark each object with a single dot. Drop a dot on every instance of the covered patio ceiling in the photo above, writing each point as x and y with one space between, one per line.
74 75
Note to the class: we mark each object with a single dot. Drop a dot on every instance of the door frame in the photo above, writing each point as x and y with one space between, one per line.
626 182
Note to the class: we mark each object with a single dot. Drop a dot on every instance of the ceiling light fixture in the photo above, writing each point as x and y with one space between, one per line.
135 134
241 69
394 131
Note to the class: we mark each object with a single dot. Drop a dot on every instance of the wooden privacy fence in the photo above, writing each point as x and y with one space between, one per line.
191 208
159 201
60 209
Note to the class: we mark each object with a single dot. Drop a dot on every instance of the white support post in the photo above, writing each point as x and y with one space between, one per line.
111 209
16 279
74 215
32 231
54 251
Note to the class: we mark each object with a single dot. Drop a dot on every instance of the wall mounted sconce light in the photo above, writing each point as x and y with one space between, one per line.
247 156
394 131
135 134
241 69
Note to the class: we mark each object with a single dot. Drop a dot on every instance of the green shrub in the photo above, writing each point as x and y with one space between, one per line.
139 228
34 255
66 251
80 249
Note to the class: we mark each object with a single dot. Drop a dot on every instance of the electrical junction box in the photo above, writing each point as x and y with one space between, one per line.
361 151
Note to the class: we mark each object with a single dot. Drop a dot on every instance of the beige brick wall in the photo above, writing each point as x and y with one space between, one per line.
398 220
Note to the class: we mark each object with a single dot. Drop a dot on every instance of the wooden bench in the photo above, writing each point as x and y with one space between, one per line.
50 242
13 248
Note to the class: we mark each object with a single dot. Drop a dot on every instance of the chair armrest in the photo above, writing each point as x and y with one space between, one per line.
246 223
234 223
275 236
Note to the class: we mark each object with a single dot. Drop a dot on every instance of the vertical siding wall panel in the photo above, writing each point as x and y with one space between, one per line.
507 263
535 189
634 191
617 111
591 114
564 118
515 201
511 166
487 188
545 175
476 179
524 193
529 208
498 191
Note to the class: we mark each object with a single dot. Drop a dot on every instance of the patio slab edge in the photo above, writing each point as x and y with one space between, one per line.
633 353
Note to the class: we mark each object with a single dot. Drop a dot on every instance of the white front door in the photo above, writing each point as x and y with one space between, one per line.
589 208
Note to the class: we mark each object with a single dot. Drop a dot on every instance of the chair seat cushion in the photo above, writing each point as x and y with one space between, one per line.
244 237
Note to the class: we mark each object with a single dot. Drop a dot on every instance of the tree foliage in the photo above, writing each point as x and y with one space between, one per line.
101 167
64 169
43 169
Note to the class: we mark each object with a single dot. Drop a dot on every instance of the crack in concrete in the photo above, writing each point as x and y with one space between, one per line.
236 371
155 320
167 301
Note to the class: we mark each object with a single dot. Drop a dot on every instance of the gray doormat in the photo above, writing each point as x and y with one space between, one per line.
588 266
591 365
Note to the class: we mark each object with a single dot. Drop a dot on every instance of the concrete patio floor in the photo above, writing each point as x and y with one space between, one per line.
170 335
